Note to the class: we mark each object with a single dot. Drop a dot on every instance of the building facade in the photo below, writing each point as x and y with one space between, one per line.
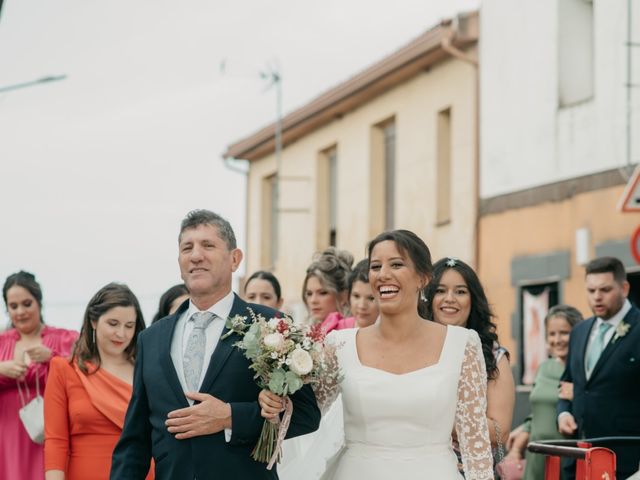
395 146
557 147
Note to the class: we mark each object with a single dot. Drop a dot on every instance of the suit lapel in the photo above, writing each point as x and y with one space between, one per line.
165 356
224 347
631 319
582 344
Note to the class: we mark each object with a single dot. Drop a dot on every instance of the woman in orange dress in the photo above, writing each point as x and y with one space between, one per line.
86 398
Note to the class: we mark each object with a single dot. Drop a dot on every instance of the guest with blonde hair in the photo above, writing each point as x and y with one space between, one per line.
325 290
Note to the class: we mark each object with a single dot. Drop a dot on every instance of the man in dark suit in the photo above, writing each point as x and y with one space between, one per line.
194 406
604 366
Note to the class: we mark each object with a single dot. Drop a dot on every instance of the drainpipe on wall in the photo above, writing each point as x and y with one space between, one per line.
447 45
241 166
233 164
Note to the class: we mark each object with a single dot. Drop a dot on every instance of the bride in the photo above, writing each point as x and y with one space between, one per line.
407 382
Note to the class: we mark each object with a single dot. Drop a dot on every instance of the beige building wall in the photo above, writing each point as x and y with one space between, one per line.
414 105
544 229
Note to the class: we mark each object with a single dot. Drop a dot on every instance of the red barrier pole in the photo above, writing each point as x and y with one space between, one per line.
600 464
581 473
552 468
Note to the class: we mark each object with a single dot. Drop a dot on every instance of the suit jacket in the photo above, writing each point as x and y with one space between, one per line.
608 403
157 391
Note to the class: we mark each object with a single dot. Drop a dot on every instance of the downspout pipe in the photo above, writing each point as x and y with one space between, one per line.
237 165
241 166
447 45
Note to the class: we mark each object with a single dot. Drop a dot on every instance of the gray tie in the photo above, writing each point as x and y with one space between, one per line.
194 354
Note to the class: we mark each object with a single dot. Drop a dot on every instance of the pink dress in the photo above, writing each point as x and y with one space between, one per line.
335 321
20 458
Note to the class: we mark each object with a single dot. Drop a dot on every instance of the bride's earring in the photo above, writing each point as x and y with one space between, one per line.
423 297
93 335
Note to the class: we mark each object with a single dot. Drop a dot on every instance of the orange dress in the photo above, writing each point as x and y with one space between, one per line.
84 415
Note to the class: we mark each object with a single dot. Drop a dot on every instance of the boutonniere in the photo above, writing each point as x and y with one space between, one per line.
236 324
621 330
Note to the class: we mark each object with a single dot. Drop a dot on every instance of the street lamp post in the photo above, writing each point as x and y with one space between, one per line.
273 75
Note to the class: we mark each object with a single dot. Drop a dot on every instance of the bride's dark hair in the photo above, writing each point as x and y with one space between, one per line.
480 316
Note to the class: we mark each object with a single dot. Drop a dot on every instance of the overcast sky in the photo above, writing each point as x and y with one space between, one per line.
97 170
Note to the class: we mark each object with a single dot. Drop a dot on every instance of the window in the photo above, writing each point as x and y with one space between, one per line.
269 252
327 198
389 132
333 196
443 168
634 291
535 301
382 177
575 51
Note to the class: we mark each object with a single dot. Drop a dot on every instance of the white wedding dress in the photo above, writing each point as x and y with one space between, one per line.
399 426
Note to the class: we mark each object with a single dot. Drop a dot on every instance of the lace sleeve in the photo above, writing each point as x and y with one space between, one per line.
471 420
327 385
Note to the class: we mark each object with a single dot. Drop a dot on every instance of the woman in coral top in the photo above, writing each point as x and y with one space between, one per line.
87 397
26 349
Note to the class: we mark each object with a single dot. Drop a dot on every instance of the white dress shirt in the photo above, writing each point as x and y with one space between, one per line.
184 327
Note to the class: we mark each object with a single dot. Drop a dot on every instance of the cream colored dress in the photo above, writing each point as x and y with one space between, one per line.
399 426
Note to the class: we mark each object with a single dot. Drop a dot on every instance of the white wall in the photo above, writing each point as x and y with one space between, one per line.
526 138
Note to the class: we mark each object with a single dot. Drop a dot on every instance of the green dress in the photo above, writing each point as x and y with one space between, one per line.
542 423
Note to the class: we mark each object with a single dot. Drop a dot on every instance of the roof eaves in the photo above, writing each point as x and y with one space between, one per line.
418 55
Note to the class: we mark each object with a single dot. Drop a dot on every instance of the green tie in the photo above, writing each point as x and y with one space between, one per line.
596 347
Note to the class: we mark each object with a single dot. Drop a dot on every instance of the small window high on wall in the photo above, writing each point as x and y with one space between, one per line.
535 301
333 196
443 168
269 218
389 132
575 51
327 198
382 174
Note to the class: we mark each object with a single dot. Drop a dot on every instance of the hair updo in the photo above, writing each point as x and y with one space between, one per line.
27 281
332 268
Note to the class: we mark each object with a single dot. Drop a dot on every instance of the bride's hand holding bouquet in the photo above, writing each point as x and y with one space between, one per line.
285 357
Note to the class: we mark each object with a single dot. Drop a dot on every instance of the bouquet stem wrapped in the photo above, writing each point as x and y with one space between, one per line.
267 446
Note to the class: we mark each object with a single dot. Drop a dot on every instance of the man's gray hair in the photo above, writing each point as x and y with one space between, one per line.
207 217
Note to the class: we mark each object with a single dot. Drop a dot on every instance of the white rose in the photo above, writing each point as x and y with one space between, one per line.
301 362
274 341
273 323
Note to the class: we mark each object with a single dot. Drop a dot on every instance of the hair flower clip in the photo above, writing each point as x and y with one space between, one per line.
451 262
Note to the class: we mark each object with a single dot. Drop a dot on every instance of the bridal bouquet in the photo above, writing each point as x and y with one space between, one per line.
285 357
